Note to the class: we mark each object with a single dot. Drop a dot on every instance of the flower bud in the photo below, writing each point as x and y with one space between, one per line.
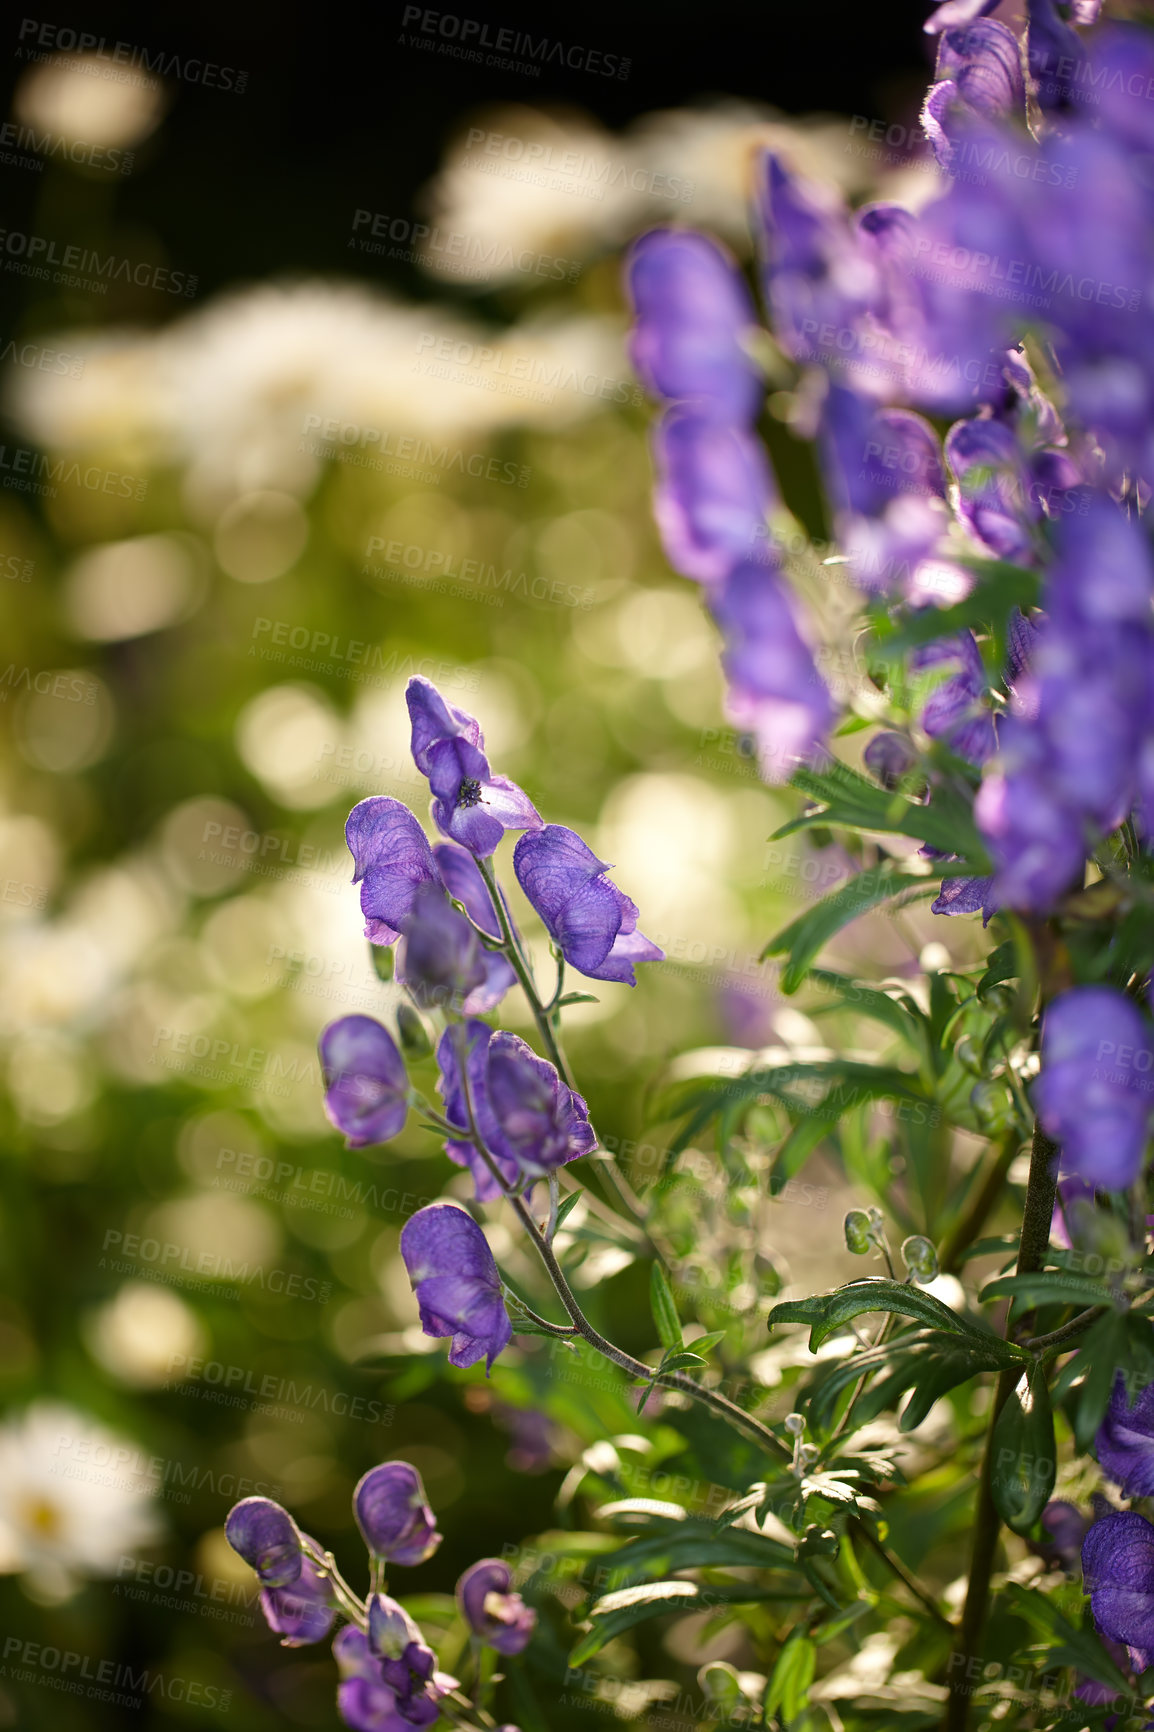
920 1258
266 1537
992 1107
502 1620
393 1514
857 1232
794 1423
413 1033
968 1055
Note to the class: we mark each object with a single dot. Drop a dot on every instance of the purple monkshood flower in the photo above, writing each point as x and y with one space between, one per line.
367 1703
957 711
458 1287
1092 1094
818 280
1118 1575
502 1620
889 757
884 472
1073 1207
392 858
591 922
1125 1442
303 1612
470 804
692 312
366 1088
530 1121
955 12
266 1537
393 1514
442 961
966 896
406 1661
1066 1527
995 495
713 495
979 70
775 691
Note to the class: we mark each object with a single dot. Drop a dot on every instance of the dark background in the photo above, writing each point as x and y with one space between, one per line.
336 115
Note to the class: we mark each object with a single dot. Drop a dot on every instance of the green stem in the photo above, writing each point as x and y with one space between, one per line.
548 1032
1041 1188
636 1368
353 1607
1068 1332
895 1565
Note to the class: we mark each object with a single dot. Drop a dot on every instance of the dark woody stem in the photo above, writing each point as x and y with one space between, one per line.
1041 1189
543 1016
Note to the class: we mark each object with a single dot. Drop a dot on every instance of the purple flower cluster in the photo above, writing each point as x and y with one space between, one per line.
1094 1094
691 346
389 1680
1045 235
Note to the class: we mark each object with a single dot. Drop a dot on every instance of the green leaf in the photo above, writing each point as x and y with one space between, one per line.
1051 1287
791 1678
577 998
850 801
383 961
567 1208
664 1308
1024 1458
618 1612
681 1360
1068 1646
1103 1350
828 1313
804 937
901 1015
706 1343
1000 587
1001 964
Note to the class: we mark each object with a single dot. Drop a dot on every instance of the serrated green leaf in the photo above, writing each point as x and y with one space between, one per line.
664 1309
1024 1455
828 1313
804 937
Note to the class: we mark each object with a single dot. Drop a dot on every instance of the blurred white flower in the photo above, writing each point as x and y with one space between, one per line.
80 98
74 1497
144 1335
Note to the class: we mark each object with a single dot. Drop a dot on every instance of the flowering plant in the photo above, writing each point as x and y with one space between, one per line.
975 379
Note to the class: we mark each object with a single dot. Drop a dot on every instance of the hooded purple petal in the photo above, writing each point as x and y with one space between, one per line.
471 805
1094 1091
586 915
457 1284
713 495
1125 1441
366 1088
393 1514
304 1611
818 279
956 12
957 710
980 70
994 492
472 1039
501 1619
692 312
392 859
530 1121
775 691
266 1537
1118 1575
965 896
